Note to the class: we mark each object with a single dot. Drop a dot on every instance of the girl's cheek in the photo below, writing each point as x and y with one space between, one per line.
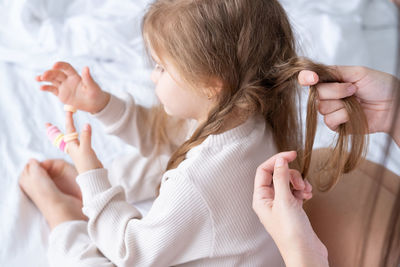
154 77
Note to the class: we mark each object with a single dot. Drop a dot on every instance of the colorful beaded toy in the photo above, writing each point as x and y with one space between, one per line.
57 137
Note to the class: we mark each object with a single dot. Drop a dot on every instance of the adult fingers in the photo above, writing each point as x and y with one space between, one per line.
301 195
281 179
351 74
328 106
65 67
334 119
307 78
263 189
268 165
308 187
264 171
296 180
329 91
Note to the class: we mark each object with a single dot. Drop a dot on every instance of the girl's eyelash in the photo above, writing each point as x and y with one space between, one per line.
158 66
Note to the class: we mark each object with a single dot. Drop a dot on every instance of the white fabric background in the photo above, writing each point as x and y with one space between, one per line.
105 35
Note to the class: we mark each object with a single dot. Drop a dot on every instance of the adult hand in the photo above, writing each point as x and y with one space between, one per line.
281 212
373 89
397 2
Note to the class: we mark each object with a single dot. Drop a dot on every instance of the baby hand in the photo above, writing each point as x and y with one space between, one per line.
81 92
81 152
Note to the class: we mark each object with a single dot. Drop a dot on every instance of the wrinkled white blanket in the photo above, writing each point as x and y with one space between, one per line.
105 35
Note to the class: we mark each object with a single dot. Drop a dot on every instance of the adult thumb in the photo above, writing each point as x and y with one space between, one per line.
87 77
307 78
86 136
281 179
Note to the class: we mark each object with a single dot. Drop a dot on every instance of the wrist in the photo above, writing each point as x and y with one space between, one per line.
303 250
101 102
304 255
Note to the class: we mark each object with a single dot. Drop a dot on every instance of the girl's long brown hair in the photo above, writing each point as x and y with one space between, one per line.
249 46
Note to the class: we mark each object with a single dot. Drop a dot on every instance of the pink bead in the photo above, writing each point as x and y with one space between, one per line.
54 135
62 146
51 128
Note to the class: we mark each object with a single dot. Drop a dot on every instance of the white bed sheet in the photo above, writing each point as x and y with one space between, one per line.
105 35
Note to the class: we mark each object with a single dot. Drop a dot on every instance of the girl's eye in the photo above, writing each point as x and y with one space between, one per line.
159 68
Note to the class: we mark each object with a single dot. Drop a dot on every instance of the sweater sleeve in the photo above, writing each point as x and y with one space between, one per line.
70 245
131 123
177 229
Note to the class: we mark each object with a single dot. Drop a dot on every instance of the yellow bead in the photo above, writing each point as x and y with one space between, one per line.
58 139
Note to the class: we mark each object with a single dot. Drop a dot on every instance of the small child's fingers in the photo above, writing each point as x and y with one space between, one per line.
46 78
54 76
50 88
65 67
72 148
86 137
69 123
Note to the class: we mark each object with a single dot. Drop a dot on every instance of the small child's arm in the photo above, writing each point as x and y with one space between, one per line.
133 123
178 228
70 245
122 118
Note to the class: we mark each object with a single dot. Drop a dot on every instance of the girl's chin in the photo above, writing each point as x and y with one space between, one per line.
174 114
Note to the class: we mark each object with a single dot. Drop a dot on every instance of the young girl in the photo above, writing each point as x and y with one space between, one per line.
229 66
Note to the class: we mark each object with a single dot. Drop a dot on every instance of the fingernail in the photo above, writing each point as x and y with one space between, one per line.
311 79
279 162
352 89
86 127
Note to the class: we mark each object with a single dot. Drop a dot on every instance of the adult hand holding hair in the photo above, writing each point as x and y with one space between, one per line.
373 89
281 212
397 2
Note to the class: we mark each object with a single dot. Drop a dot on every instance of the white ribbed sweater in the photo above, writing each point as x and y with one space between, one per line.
202 217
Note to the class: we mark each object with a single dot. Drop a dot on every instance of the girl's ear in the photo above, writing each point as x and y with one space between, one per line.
215 88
